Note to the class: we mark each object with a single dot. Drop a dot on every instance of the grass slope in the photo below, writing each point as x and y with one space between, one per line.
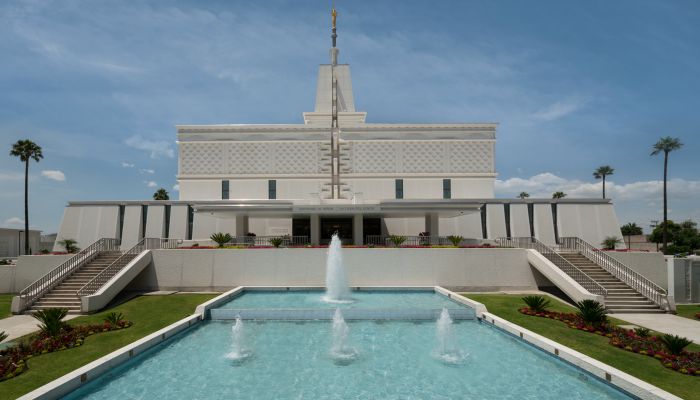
5 302
148 313
642 367
688 311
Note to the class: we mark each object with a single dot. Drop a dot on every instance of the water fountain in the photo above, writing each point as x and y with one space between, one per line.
238 352
447 350
337 290
341 351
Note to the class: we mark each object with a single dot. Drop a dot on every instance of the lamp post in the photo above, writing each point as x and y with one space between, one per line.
19 243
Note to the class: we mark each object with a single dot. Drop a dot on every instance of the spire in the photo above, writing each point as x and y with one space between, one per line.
334 36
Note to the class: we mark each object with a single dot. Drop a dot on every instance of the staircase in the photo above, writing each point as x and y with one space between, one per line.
64 294
621 298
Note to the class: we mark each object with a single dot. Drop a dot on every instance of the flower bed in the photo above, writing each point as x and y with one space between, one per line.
686 363
13 360
349 246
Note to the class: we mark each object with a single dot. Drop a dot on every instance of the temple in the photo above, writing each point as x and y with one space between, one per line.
336 172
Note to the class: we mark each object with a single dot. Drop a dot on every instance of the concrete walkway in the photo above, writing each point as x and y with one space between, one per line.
666 323
20 325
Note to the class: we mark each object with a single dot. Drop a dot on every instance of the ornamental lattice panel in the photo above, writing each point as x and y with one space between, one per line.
296 158
373 157
423 156
201 158
471 157
249 158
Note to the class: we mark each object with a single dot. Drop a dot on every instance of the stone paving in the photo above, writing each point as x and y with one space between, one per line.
666 323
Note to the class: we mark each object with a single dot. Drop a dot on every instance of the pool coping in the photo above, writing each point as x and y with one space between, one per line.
77 378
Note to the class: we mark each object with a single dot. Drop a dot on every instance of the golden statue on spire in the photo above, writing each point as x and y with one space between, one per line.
334 15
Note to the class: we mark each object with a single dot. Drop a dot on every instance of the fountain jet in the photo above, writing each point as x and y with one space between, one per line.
337 290
238 352
446 349
341 351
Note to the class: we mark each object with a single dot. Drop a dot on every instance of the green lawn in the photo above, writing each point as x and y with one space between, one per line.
643 367
148 313
5 302
688 310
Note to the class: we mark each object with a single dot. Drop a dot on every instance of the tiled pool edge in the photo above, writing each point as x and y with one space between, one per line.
607 373
89 372
73 380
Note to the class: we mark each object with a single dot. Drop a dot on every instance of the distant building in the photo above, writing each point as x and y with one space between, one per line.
12 242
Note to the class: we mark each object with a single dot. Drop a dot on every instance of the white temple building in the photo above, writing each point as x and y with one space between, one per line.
338 172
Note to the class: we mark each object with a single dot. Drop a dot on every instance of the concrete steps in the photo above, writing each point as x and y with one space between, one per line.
64 295
621 298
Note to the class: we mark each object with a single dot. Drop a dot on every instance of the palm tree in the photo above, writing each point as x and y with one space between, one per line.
666 144
26 150
558 195
523 195
602 172
161 194
629 230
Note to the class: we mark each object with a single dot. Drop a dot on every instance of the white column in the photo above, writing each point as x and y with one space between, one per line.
241 225
432 225
315 229
358 233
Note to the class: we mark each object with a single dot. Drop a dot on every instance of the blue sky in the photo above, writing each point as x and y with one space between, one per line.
100 85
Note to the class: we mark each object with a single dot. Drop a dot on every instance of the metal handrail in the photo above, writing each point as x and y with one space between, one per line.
265 240
41 286
633 279
562 263
112 269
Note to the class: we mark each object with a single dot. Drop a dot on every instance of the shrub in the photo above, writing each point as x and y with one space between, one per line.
221 238
536 303
455 239
642 332
397 240
276 241
675 344
51 320
69 245
610 242
113 318
591 311
697 315
4 262
3 336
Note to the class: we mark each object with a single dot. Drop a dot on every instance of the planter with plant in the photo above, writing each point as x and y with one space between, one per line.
221 238
397 240
70 245
455 240
276 241
610 242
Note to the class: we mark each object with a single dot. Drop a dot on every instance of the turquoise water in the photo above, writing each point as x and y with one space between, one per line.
291 360
360 299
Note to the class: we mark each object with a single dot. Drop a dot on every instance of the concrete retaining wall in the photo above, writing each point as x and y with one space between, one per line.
651 265
463 269
14 278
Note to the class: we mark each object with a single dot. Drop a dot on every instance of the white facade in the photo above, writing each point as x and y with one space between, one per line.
390 179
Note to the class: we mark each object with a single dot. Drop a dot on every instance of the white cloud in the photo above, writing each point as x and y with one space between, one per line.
151 184
544 184
156 148
14 221
560 109
176 187
147 171
54 175
127 165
